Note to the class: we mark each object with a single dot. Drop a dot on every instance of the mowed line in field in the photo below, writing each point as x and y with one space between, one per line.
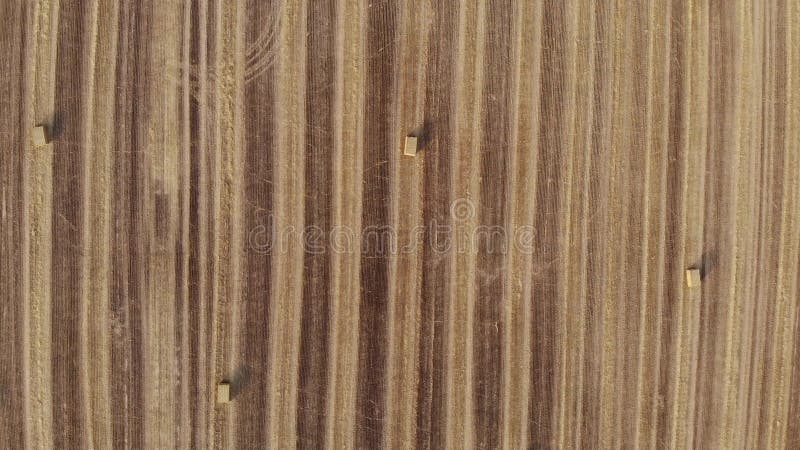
407 191
786 192
380 61
350 41
575 276
793 138
249 380
312 389
465 157
14 358
70 123
97 139
493 141
547 283
520 205
228 235
437 120
287 268
650 296
39 86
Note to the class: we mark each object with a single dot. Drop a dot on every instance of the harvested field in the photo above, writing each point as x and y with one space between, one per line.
225 198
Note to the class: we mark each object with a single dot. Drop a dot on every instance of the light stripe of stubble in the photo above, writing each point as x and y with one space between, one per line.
469 82
287 273
347 170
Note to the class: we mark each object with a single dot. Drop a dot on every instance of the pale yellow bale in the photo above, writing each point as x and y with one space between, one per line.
39 136
692 278
223 392
410 148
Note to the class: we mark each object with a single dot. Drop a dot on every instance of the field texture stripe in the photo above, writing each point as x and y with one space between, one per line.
351 26
287 269
316 307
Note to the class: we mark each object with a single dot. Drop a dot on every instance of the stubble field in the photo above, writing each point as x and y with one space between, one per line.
519 283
